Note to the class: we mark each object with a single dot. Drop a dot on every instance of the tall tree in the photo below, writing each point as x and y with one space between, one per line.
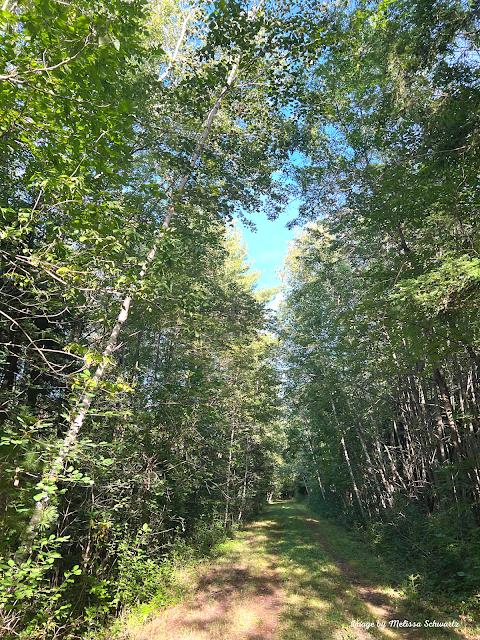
379 308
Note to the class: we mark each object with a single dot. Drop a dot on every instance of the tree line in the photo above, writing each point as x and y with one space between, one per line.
380 321
138 402
149 401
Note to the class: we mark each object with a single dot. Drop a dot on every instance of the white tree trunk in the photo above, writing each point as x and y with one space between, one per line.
77 416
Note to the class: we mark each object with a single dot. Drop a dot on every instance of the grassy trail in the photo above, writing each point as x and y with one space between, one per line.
291 576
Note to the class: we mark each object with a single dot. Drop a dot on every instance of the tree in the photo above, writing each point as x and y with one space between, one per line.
86 200
379 323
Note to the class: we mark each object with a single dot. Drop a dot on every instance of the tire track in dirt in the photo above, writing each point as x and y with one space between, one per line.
239 598
379 604
263 588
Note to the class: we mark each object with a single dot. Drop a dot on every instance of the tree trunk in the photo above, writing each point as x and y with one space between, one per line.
345 453
229 471
78 414
244 490
448 408
305 483
371 469
440 430
317 472
352 477
393 467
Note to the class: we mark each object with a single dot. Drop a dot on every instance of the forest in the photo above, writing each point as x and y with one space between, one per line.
150 400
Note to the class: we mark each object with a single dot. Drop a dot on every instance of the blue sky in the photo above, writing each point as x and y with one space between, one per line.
268 245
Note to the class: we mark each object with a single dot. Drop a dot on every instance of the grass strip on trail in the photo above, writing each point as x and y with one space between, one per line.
291 576
331 580
236 597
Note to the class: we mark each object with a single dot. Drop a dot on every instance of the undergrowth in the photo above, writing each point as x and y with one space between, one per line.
433 557
39 599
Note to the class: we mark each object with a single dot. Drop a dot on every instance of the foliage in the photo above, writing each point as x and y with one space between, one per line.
139 396
101 115
381 333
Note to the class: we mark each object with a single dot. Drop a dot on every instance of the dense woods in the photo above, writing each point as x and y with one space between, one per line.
149 401
380 324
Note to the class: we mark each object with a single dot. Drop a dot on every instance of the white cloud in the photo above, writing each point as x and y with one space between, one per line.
275 303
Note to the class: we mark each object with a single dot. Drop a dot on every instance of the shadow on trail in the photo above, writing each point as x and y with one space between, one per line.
318 605
237 598
325 593
282 577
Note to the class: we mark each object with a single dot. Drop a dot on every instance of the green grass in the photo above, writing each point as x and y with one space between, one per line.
327 570
329 577
319 601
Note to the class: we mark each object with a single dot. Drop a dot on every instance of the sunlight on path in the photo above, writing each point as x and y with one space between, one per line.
238 598
285 577
325 593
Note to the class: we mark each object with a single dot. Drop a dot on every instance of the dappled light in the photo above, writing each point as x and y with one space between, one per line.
187 452
288 576
237 598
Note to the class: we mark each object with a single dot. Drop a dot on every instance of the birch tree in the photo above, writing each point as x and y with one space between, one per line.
79 412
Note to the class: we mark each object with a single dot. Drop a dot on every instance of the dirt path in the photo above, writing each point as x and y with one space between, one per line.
291 576
351 585
239 597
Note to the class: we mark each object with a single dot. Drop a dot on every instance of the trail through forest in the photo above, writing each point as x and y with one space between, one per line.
151 395
292 576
